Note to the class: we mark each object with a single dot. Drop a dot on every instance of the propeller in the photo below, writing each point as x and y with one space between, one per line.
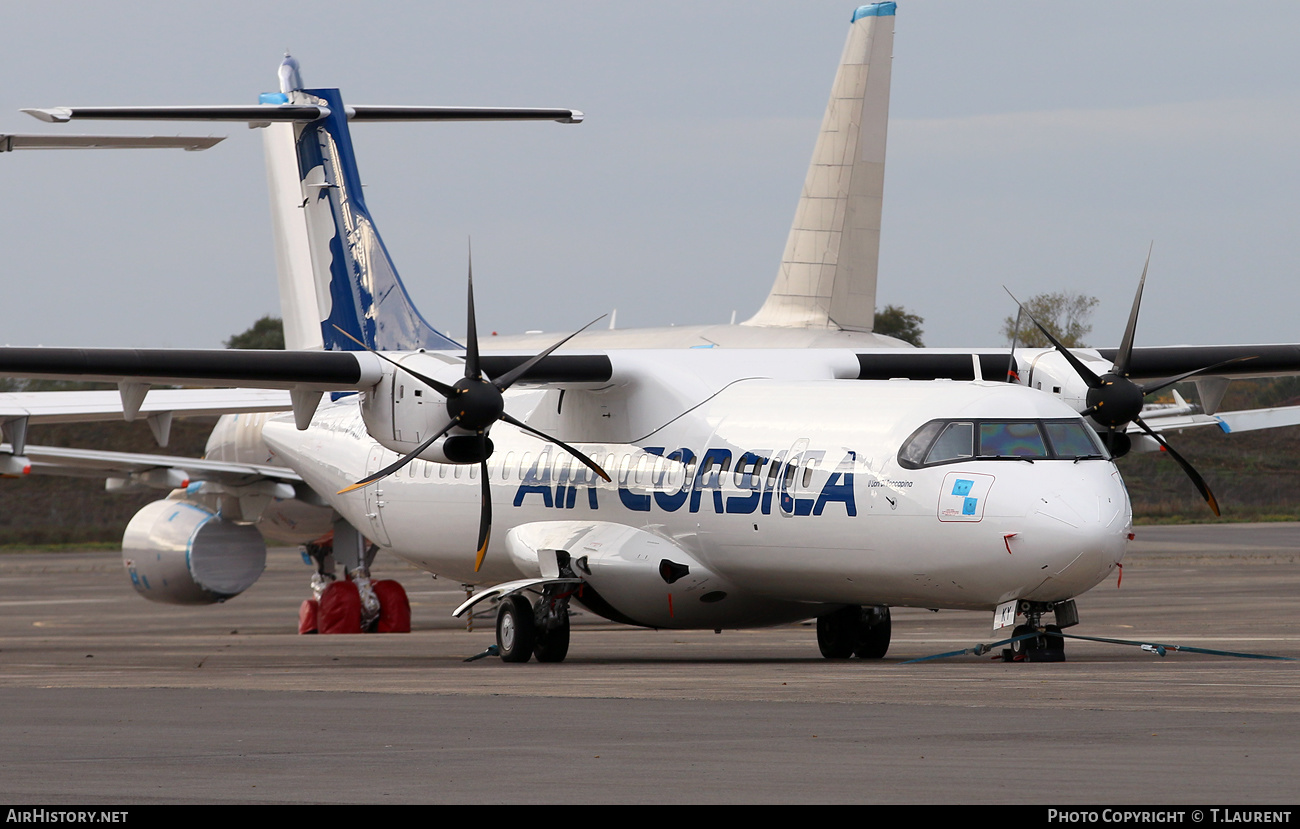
475 404
1114 400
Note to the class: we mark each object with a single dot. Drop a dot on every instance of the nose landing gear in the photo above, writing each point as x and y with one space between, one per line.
1045 642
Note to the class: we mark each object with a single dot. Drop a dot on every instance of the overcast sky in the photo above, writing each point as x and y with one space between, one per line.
1037 145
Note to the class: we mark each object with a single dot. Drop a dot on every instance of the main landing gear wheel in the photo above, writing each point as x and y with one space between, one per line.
874 629
516 630
860 631
552 644
837 632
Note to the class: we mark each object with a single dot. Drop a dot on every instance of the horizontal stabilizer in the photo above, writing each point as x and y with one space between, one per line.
419 113
302 113
260 113
189 143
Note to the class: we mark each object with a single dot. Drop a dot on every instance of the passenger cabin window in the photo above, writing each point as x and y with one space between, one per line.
940 442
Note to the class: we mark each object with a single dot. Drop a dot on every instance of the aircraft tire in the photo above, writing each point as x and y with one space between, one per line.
1053 649
394 607
307 616
552 645
516 630
1019 651
837 632
340 608
874 630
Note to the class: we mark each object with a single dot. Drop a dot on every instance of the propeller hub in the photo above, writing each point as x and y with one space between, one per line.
1116 402
476 404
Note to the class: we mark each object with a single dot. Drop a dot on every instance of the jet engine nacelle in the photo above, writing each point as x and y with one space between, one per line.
401 412
177 552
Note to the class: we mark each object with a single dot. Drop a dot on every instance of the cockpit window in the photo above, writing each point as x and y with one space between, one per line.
949 441
1001 439
956 442
912 455
1071 439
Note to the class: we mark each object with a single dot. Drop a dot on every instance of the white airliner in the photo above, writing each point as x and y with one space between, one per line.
667 487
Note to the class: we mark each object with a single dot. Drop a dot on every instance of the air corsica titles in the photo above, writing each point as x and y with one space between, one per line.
663 491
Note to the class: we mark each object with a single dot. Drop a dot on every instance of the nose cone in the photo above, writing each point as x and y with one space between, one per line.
1079 527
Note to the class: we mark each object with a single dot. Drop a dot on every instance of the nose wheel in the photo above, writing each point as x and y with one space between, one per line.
1044 643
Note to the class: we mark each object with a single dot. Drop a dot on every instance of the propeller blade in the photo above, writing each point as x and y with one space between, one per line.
1087 374
1187 467
471 330
1012 377
1126 344
508 379
485 517
1151 387
393 467
588 462
441 388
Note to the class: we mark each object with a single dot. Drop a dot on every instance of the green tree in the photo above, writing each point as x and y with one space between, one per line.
895 322
1064 313
268 332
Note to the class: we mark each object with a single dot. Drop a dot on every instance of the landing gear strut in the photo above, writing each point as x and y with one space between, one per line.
1045 642
854 631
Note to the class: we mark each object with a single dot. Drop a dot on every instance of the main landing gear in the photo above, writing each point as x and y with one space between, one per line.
854 631
355 603
525 630
1045 642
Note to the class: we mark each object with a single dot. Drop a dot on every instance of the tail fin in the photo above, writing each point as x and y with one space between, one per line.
827 277
322 219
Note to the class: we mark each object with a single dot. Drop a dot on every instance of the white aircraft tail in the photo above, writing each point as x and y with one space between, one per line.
827 277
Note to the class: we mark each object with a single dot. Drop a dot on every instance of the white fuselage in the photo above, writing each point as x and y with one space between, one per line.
846 525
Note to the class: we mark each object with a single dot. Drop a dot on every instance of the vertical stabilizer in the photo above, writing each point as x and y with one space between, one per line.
827 277
357 286
298 304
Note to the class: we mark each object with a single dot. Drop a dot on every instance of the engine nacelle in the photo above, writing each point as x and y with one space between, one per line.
179 553
1050 372
401 412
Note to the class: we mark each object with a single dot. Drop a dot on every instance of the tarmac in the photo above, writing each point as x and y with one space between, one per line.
108 699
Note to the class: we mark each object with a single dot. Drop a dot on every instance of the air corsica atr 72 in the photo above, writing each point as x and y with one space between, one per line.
665 487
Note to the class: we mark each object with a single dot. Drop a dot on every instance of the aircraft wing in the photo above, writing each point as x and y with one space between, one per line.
41 407
1157 362
1246 420
144 469
1152 363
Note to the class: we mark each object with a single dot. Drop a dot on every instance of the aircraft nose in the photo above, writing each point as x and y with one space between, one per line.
1083 528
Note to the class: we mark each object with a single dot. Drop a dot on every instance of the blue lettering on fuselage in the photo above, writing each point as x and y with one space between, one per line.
758 475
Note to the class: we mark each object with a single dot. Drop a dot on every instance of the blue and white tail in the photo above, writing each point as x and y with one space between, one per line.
354 285
335 272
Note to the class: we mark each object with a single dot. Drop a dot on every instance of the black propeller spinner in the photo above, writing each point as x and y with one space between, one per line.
474 403
1114 401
